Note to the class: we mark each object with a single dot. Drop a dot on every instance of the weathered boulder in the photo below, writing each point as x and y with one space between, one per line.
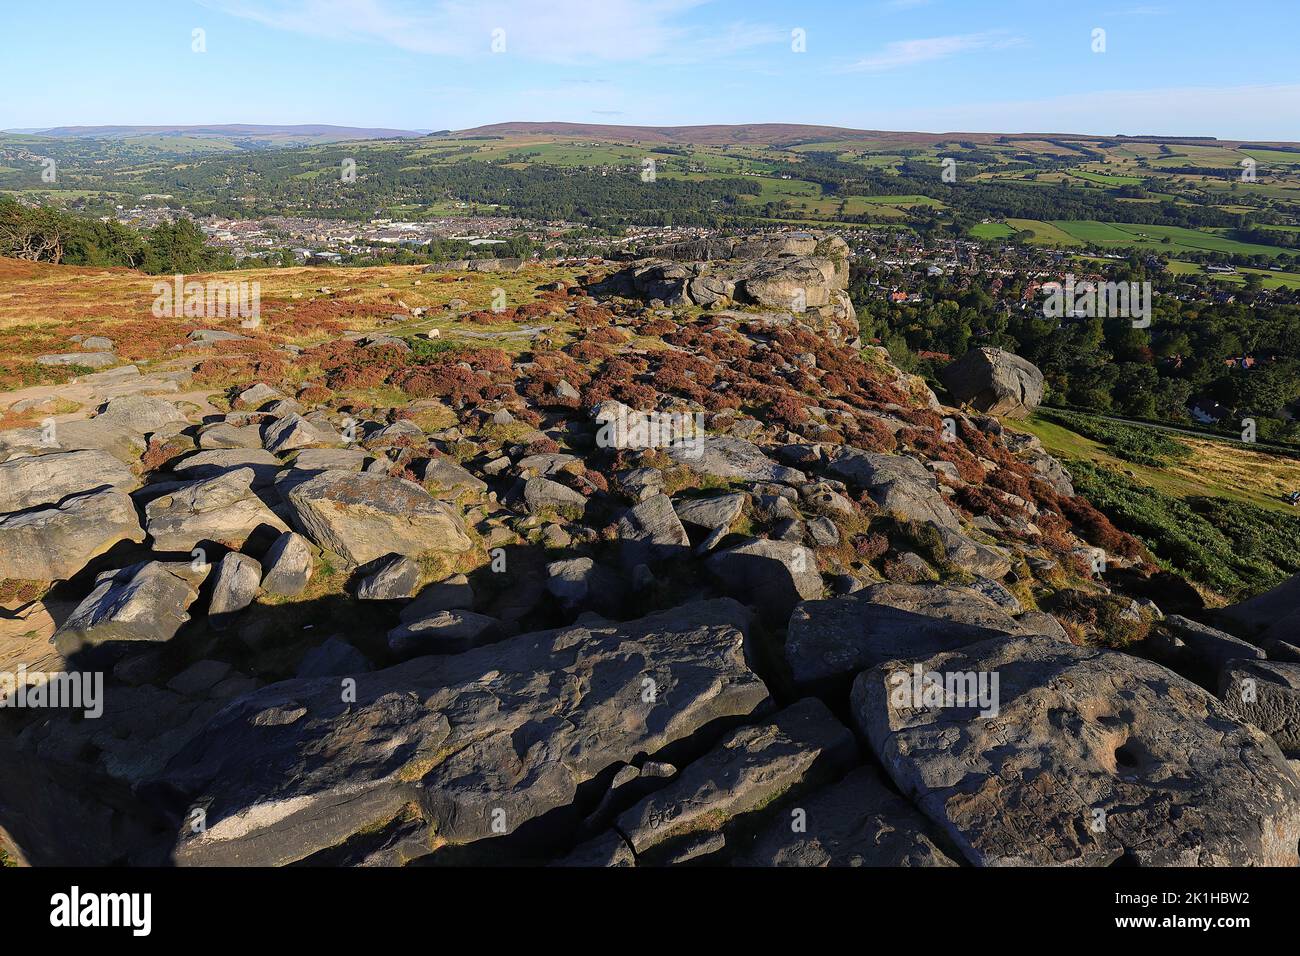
142 414
226 435
460 743
452 594
287 565
1205 649
47 479
721 456
394 578
710 514
855 822
293 431
1090 757
361 517
576 582
650 532
830 641
1266 693
444 473
223 511
234 585
994 382
98 434
333 658
898 483
144 602
772 575
53 544
800 746
542 494
974 556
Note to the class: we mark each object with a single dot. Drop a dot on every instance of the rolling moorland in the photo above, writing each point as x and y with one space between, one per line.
391 477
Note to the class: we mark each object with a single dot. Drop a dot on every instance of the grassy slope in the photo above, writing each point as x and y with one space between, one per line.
1218 469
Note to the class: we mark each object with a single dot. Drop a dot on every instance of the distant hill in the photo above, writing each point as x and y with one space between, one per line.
235 132
788 134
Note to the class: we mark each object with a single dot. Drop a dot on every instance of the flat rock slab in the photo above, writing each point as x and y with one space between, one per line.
834 639
48 479
1092 756
53 544
857 821
746 771
362 517
499 735
222 511
722 456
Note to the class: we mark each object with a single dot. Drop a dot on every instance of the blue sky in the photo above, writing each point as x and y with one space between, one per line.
1191 67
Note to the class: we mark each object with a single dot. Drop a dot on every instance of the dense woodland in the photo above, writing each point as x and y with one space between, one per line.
1192 350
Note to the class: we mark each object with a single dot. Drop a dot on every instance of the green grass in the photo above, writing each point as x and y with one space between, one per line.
1234 548
992 230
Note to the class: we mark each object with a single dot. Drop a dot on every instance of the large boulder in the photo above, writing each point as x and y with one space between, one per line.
142 414
47 479
1274 614
1266 693
1077 756
464 748
222 511
53 544
361 517
830 641
145 602
994 382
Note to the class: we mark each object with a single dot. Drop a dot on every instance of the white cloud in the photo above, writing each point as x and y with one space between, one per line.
555 31
903 53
